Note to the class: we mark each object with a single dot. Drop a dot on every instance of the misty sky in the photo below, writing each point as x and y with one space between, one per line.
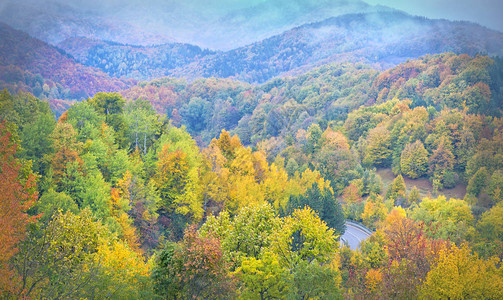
485 12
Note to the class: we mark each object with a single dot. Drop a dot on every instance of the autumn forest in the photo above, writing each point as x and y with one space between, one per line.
236 181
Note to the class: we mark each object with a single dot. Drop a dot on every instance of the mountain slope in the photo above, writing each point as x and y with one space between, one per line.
219 24
30 64
139 62
382 39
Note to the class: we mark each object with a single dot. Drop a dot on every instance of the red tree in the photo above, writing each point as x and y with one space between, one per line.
17 195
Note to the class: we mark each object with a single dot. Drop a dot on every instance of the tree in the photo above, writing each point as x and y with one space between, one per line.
374 212
194 269
414 160
314 281
451 219
313 142
142 124
324 203
378 147
303 236
442 160
111 105
478 182
171 176
459 274
490 228
263 278
247 235
17 196
495 188
57 260
410 255
414 196
396 191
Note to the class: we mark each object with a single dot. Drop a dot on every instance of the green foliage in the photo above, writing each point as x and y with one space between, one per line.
478 182
51 202
447 219
57 259
314 281
247 235
263 278
396 191
378 148
414 160
303 236
324 203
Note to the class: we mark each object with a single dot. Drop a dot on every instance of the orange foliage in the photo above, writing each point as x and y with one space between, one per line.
17 195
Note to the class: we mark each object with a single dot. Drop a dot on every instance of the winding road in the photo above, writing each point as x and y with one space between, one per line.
355 234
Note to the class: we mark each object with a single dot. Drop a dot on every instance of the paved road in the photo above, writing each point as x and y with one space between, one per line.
354 236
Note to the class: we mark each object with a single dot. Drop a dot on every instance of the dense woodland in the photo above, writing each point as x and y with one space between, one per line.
221 189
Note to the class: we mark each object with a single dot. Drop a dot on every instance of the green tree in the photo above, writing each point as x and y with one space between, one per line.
396 191
313 142
142 124
303 236
478 182
324 203
263 278
247 235
57 260
314 281
378 147
414 160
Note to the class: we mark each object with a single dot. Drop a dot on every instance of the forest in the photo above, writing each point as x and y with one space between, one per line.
220 189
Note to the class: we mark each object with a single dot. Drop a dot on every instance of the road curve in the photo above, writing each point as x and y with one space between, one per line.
354 235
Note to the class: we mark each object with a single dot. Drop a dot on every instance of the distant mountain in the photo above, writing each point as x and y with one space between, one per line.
382 39
55 21
218 24
139 62
32 65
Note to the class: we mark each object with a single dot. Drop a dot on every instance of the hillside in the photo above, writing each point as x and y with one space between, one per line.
32 65
130 204
221 24
381 39
283 106
138 62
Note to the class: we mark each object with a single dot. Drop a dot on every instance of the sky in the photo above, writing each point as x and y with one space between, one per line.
488 13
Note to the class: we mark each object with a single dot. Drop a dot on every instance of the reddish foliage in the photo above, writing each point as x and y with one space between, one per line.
17 195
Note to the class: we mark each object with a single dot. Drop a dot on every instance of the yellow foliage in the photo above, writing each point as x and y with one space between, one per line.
373 279
459 274
395 216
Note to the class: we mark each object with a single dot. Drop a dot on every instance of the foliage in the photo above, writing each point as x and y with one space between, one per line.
414 160
193 269
17 196
459 274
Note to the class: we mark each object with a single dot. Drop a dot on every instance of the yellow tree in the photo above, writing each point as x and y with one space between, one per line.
303 236
459 274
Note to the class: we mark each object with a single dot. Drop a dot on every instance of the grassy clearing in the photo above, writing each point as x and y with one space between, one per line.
423 185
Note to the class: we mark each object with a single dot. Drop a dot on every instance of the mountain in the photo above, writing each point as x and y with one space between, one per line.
32 65
139 62
220 24
281 107
382 39
55 21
